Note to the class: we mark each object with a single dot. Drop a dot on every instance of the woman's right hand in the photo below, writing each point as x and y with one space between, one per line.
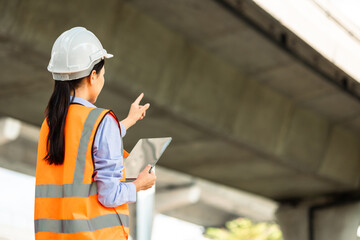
136 112
145 180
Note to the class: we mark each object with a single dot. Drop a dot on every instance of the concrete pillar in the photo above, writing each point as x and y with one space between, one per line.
338 222
142 215
145 214
293 221
328 220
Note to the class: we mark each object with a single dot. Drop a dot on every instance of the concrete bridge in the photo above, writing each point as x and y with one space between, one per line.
248 103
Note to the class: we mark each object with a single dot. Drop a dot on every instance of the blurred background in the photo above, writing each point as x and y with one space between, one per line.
261 98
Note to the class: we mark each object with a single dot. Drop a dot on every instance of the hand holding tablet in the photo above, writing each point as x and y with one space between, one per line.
146 152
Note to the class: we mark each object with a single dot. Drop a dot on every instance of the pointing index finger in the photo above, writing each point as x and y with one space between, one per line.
137 101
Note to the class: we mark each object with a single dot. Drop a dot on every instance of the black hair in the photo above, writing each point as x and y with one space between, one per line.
55 114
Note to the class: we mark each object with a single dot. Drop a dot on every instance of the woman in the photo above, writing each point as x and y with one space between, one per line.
80 188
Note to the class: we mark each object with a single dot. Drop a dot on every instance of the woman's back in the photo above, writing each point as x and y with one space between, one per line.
66 195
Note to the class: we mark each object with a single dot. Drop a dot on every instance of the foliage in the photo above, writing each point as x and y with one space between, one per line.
244 229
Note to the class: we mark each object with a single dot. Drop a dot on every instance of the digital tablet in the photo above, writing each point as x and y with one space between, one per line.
146 151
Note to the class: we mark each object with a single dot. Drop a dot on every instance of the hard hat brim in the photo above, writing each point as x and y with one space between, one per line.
78 74
108 55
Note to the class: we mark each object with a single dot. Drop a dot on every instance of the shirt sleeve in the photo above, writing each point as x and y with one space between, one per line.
123 130
108 161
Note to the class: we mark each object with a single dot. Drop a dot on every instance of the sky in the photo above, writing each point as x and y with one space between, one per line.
350 8
331 27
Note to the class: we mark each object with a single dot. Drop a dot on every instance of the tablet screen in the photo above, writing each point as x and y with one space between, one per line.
146 151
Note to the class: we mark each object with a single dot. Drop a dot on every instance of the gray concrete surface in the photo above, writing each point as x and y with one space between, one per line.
229 125
248 104
320 220
340 222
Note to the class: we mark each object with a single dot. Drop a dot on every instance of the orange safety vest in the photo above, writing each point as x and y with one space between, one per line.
66 200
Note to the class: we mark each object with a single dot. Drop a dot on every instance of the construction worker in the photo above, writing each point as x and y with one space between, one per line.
80 188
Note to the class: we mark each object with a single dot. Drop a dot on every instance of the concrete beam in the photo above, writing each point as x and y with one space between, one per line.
236 202
18 152
209 195
235 125
9 130
177 198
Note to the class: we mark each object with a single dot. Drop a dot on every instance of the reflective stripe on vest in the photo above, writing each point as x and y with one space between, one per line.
65 190
81 225
112 217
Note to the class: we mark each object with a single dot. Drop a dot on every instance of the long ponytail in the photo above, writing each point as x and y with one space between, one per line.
55 114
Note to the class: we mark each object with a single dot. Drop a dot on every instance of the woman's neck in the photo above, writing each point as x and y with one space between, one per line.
82 93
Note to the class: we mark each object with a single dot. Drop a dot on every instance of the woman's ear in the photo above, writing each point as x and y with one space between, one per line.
93 77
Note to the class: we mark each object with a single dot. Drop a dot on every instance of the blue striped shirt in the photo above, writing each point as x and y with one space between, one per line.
108 161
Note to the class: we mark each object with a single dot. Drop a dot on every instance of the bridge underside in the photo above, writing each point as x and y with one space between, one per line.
248 104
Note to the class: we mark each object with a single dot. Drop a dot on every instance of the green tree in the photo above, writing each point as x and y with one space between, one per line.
244 229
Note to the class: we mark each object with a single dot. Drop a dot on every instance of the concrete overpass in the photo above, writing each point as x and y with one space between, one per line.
248 103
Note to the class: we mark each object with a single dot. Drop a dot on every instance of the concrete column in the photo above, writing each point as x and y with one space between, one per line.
339 222
145 214
293 221
328 220
142 215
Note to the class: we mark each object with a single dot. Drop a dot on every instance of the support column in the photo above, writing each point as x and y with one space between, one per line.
145 214
338 220
294 221
142 215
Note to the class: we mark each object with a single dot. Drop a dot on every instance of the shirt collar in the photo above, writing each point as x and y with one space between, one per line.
82 102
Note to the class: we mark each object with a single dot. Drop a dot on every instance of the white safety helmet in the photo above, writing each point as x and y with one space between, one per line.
75 53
